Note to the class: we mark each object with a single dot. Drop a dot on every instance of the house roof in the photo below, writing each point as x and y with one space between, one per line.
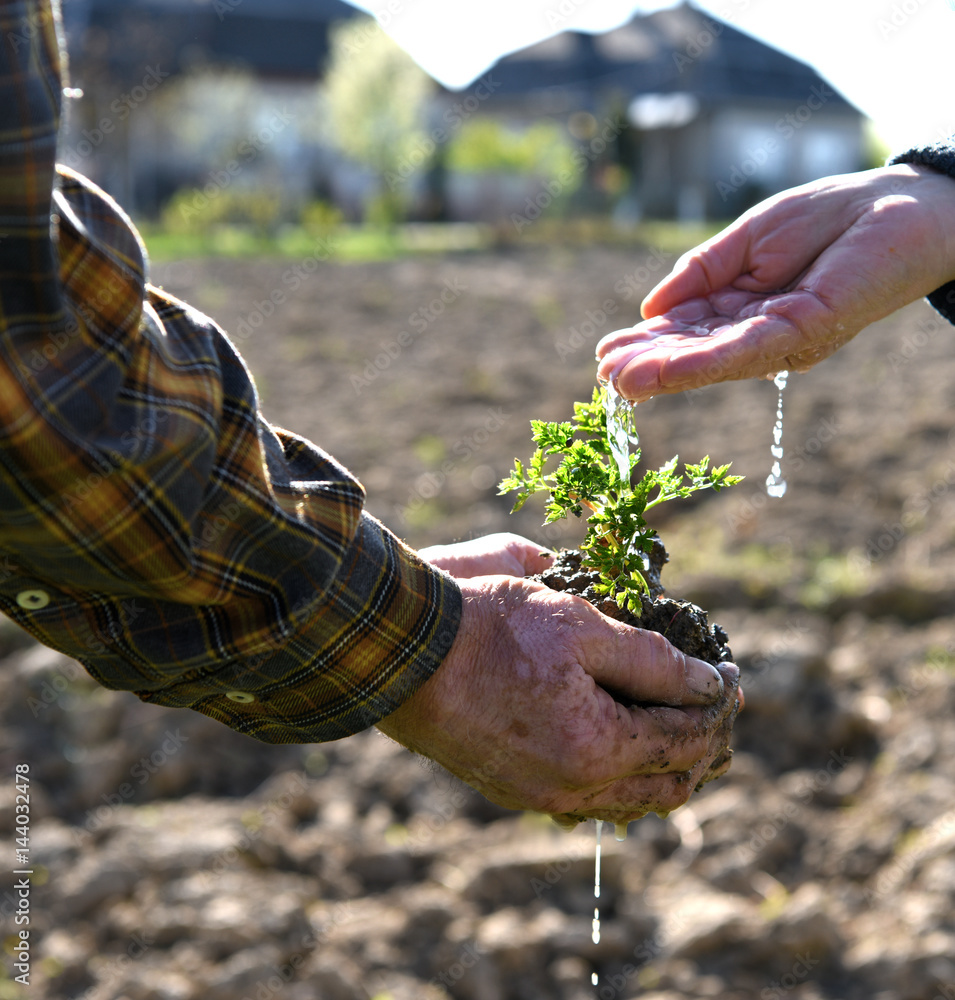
677 50
273 37
303 10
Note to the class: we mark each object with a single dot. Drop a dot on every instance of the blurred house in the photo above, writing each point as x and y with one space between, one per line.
690 117
123 53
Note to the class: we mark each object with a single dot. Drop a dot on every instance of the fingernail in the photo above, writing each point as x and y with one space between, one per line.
565 822
703 678
729 671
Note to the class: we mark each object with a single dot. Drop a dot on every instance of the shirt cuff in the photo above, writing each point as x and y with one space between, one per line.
378 634
939 156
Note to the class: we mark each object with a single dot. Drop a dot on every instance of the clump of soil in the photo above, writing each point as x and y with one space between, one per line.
683 623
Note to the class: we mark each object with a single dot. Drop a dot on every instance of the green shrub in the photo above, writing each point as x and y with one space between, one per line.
192 211
486 146
320 217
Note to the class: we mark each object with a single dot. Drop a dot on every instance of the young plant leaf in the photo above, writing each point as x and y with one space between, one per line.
586 478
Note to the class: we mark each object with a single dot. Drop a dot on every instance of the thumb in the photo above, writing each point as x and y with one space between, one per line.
526 557
712 265
647 668
534 558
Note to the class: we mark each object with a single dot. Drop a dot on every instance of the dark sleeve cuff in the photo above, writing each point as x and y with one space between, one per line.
939 156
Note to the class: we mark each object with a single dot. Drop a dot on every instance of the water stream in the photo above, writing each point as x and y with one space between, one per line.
621 437
596 931
621 433
775 484
620 833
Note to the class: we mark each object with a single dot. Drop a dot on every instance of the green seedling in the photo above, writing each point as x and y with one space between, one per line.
587 477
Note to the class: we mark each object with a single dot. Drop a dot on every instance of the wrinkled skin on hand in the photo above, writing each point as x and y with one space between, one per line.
790 282
546 704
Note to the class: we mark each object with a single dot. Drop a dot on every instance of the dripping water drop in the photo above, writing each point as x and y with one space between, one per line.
775 484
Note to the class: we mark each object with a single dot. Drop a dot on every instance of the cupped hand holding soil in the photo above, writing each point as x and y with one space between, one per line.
522 708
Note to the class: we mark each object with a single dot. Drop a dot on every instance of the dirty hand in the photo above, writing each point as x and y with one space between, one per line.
546 704
790 282
503 552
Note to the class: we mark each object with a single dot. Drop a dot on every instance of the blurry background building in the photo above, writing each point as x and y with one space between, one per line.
673 115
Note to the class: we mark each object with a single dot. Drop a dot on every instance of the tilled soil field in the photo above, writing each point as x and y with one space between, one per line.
177 860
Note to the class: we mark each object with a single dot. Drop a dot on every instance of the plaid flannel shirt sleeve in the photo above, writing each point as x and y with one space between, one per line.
152 524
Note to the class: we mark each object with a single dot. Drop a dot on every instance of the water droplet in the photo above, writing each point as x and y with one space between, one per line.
620 831
775 484
593 978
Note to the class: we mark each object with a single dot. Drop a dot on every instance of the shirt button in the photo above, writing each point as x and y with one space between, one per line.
33 600
242 697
